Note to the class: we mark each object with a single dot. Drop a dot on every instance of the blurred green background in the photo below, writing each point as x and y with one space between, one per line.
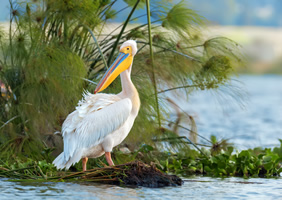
255 24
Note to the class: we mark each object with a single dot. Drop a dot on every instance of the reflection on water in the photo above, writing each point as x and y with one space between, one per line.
260 124
63 190
194 188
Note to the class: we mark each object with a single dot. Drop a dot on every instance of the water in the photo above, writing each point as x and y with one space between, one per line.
193 188
260 124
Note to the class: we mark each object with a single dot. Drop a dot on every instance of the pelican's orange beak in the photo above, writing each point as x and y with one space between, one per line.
122 62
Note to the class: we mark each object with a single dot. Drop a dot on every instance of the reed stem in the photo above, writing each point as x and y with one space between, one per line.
152 60
121 32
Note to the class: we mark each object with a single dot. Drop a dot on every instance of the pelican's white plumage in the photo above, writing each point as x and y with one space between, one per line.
100 121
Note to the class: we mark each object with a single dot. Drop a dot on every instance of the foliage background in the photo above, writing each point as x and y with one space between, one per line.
48 58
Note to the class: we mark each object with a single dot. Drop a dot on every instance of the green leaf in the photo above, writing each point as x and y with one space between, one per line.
267 159
268 166
229 150
207 169
213 139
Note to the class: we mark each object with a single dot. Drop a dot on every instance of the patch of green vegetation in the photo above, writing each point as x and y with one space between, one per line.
29 169
255 162
183 160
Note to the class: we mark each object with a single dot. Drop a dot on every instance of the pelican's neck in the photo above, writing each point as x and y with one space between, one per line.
127 86
129 90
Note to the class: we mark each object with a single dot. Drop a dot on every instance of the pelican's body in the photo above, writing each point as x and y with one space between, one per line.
101 121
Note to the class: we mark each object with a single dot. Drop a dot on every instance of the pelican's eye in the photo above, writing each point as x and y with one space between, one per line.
126 50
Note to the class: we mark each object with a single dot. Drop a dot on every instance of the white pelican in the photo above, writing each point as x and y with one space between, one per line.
101 121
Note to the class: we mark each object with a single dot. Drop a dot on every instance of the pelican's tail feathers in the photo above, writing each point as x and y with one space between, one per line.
59 162
74 159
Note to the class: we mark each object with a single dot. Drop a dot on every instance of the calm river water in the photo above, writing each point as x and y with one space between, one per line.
258 124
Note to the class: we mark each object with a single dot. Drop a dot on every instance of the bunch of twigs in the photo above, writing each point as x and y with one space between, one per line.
134 174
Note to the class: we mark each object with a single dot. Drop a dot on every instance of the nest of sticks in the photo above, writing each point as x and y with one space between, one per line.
134 174
130 174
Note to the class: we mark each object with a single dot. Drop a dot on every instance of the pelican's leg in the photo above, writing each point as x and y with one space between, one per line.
84 161
109 159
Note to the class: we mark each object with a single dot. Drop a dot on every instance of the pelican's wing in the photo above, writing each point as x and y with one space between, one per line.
92 122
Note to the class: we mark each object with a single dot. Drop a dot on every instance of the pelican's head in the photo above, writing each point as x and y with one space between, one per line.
124 60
